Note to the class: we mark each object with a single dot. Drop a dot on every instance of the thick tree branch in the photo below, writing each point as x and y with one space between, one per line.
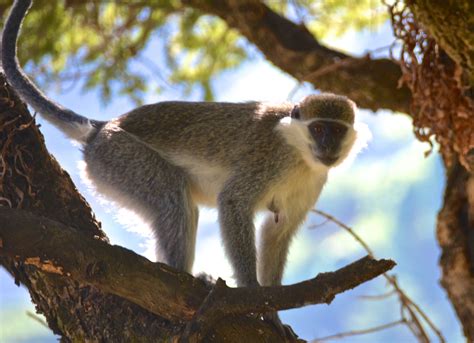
55 248
372 84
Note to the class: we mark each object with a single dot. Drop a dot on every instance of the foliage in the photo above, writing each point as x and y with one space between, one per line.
334 17
202 47
103 44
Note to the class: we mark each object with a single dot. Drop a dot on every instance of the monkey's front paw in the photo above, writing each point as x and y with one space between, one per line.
284 330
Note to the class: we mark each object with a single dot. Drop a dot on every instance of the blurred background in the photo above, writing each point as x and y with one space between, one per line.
389 195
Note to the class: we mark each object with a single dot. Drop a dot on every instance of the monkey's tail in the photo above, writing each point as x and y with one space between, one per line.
72 124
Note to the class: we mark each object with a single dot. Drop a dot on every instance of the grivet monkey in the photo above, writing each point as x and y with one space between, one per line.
164 159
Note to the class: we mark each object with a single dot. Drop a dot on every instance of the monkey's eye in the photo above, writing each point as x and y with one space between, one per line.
318 128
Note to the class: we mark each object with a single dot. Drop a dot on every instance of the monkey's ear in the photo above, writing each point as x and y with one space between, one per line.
295 112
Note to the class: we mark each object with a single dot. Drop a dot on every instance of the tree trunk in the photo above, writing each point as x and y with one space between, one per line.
455 233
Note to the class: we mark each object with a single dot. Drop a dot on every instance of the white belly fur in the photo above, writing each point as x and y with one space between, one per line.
206 179
301 187
298 192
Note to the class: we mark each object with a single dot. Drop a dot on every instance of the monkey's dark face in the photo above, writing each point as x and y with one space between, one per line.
328 136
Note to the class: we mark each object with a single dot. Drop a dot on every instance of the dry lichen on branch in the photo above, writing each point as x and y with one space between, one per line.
440 106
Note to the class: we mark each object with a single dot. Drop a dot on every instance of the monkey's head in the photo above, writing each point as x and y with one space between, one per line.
325 125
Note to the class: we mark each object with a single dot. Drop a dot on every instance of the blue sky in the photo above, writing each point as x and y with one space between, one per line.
390 195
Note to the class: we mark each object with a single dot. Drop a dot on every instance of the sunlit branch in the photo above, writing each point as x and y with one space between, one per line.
378 296
359 332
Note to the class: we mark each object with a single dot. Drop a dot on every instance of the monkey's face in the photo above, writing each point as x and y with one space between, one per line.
330 140
321 128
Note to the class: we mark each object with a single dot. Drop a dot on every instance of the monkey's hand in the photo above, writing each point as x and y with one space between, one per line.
284 330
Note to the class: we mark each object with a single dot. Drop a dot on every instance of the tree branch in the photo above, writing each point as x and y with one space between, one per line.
223 300
373 84
55 248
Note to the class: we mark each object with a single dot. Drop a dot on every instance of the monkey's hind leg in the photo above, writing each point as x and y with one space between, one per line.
175 226
137 177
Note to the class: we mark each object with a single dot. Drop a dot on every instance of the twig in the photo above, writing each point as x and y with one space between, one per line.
315 226
359 332
378 296
407 303
37 318
347 228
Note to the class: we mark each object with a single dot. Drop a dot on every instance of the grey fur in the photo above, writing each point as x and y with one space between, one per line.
162 160
330 106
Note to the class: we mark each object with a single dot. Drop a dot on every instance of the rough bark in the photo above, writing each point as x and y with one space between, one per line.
372 84
173 295
455 233
176 296
55 248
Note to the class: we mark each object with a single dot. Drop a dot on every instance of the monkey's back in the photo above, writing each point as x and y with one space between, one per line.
215 131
